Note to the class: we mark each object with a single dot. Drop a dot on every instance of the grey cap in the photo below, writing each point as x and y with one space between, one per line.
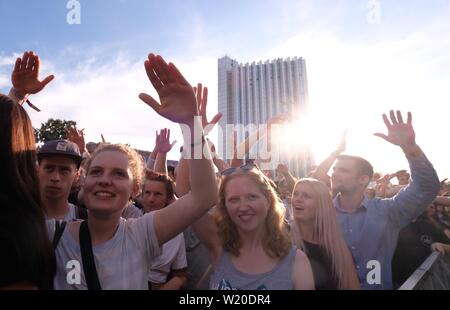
62 148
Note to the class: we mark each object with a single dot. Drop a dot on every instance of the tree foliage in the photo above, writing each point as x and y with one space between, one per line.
53 129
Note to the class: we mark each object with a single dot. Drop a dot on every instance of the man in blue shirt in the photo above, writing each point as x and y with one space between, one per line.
371 227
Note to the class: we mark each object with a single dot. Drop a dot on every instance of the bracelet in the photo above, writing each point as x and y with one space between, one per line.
198 136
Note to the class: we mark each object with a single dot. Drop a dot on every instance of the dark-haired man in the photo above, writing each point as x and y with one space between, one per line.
58 168
168 270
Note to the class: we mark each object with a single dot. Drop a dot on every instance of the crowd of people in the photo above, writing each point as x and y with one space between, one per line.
110 219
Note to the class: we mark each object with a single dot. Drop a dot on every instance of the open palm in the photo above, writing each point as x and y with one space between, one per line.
178 102
25 77
399 132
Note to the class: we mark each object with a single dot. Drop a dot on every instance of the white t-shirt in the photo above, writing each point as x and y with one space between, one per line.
122 263
71 214
173 257
132 212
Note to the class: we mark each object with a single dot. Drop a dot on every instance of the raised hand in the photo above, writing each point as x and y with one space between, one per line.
282 169
399 133
178 102
202 102
25 76
77 137
163 144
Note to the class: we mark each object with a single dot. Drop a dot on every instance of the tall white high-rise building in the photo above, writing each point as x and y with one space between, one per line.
254 93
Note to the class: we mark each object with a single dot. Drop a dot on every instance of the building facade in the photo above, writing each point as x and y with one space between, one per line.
251 94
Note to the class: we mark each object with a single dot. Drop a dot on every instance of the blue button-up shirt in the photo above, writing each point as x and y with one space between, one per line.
371 231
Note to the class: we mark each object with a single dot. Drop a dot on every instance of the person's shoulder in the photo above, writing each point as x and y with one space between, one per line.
300 256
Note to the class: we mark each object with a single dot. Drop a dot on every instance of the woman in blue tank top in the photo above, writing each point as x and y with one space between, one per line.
248 240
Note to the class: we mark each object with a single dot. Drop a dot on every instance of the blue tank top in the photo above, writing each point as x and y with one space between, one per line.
227 277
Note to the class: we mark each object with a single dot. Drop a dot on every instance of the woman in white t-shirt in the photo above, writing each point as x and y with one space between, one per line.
123 249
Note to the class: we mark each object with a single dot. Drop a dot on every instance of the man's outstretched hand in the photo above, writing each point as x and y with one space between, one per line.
399 132
25 76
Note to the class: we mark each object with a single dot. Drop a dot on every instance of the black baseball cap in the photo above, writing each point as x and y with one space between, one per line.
61 148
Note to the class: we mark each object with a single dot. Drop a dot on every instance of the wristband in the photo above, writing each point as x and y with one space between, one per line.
16 97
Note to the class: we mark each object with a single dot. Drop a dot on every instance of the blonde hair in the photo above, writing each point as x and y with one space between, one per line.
275 239
134 160
327 233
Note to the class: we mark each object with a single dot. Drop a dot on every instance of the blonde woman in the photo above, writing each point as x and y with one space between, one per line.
115 253
317 232
248 241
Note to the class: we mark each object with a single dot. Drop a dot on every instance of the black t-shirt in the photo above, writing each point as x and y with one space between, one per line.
321 266
413 248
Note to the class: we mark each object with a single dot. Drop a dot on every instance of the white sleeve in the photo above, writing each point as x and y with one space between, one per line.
142 231
180 261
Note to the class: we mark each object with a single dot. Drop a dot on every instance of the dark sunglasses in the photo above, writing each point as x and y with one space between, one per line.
246 167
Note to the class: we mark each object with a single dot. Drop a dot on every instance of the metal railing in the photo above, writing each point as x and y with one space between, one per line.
433 274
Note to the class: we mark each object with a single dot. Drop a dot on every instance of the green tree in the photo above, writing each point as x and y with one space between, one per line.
53 129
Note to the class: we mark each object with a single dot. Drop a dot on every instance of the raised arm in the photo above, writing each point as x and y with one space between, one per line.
178 104
290 180
322 170
424 185
25 78
242 150
163 146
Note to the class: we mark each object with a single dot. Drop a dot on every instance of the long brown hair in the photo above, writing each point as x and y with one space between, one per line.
327 232
27 255
275 239
18 174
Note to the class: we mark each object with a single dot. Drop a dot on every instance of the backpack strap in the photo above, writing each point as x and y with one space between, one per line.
90 271
59 230
81 213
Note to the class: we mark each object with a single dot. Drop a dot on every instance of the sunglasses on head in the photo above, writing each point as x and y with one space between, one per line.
246 167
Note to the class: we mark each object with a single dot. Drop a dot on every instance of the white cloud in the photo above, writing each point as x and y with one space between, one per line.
103 99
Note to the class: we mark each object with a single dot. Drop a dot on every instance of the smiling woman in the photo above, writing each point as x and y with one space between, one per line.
117 253
248 239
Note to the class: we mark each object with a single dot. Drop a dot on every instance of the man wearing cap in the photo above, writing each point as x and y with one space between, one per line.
59 163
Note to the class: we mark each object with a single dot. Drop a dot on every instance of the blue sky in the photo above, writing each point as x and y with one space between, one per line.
356 69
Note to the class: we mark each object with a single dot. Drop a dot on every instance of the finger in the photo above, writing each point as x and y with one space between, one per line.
47 80
199 98
161 69
103 138
409 120
149 68
177 74
36 63
386 121
168 134
17 65
150 101
173 143
23 62
381 136
31 61
399 117
216 118
392 116
26 60
204 99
